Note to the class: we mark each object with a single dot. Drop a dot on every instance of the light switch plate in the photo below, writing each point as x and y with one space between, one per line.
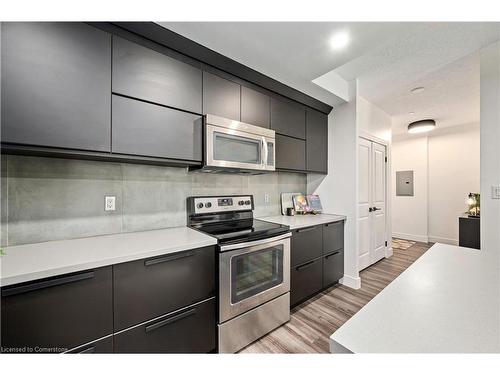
495 192
109 203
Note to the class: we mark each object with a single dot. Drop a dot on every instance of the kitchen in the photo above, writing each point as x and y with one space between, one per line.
161 197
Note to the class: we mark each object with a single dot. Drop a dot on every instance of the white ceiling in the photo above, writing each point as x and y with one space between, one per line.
387 59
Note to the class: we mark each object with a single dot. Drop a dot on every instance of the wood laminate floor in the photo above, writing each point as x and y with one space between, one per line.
313 321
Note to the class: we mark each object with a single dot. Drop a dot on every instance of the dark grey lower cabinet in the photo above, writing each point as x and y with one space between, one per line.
102 346
190 330
333 237
306 244
58 313
333 267
146 129
306 280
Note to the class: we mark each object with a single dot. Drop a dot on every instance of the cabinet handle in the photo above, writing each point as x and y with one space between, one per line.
304 265
305 230
332 254
171 320
169 258
46 284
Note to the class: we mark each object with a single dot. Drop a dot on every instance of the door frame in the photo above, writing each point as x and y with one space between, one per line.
388 188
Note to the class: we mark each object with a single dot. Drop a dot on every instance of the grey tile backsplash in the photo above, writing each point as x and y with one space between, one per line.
45 199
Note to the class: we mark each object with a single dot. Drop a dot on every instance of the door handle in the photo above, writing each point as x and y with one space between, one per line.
376 209
171 320
151 262
370 209
306 265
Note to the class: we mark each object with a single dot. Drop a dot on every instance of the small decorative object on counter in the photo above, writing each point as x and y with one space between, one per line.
300 204
474 203
290 211
314 203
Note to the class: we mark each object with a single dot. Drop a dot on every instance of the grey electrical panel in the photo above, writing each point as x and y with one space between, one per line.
404 183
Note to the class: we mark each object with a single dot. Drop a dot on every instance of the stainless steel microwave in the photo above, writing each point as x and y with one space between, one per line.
233 146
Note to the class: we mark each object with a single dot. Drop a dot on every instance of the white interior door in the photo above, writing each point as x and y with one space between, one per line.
371 202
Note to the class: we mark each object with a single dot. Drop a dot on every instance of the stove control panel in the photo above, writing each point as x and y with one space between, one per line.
205 205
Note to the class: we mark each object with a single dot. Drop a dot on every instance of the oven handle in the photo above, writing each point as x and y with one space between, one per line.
254 243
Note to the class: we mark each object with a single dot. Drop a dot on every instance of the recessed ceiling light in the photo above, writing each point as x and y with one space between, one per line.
421 126
340 40
411 113
417 90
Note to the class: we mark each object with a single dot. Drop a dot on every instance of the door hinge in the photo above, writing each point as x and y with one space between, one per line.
385 243
386 159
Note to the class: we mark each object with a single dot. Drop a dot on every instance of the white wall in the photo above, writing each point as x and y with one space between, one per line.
453 173
372 120
409 214
490 147
338 188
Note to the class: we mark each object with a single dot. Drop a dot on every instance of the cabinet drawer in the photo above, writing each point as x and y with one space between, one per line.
190 330
290 153
333 267
60 312
306 244
333 237
145 289
145 129
306 280
288 118
142 73
104 345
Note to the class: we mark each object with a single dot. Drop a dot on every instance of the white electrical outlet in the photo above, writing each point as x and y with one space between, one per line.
495 192
266 198
109 203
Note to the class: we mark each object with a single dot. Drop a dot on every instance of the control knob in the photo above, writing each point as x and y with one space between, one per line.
199 205
247 202
241 203
208 205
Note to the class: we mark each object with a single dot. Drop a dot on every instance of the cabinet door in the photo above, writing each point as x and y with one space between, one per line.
146 129
142 73
333 237
190 330
104 345
60 312
288 118
56 84
221 97
317 141
145 289
305 280
255 108
290 153
333 267
306 244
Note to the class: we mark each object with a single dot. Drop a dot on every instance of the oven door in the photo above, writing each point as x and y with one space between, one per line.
253 273
231 148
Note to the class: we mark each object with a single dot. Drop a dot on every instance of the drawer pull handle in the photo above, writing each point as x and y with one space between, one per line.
305 230
332 254
171 320
305 265
88 350
170 258
47 284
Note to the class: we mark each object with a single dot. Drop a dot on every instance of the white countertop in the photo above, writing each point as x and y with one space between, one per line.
35 261
446 302
302 221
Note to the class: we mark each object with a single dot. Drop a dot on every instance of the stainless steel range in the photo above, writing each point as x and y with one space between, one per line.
254 268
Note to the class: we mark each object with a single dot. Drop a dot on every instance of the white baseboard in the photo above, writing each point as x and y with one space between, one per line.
449 241
411 237
351 282
388 252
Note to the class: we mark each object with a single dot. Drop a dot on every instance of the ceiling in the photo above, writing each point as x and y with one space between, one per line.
387 60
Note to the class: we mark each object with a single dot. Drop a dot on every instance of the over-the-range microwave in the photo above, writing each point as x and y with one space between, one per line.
234 146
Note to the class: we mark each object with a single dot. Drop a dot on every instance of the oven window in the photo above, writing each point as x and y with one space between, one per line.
256 272
237 149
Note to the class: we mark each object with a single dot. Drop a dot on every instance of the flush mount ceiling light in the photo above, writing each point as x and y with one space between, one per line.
340 40
416 90
421 126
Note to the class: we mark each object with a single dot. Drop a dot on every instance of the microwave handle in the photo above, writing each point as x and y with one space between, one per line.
266 152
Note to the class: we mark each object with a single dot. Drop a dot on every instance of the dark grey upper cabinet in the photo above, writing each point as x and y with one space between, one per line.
56 83
221 97
142 73
317 141
290 153
255 107
288 118
146 129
